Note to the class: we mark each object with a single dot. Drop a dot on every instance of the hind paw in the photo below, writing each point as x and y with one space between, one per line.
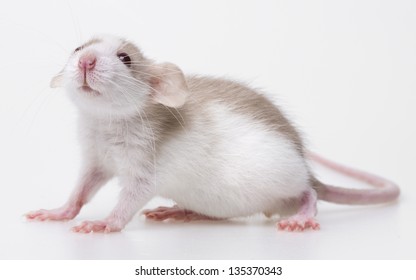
174 213
297 224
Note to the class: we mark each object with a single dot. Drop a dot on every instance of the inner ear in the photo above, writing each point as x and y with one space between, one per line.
57 81
168 85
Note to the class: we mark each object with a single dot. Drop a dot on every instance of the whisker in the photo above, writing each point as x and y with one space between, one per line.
150 87
128 79
126 95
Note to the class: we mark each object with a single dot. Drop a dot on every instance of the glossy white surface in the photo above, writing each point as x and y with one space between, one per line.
344 70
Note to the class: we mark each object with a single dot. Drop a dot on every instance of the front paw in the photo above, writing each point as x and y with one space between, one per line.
59 214
96 226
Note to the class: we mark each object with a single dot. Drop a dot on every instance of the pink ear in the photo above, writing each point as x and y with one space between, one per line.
57 81
168 85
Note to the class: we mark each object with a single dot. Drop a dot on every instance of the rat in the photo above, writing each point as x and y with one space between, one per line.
218 148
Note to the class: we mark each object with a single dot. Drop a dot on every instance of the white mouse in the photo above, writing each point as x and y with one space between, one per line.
218 148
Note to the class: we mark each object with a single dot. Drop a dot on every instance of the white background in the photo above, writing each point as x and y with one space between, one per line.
345 71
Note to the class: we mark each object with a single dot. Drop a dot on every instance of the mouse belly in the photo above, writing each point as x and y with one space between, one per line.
223 195
244 172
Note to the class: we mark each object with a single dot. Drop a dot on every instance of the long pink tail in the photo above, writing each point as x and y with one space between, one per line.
384 191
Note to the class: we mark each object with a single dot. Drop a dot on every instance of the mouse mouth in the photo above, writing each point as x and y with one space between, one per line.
86 88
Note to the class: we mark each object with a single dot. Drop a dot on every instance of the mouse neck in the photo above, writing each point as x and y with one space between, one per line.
106 112
150 111
107 115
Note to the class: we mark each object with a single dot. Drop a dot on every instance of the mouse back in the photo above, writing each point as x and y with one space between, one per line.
244 101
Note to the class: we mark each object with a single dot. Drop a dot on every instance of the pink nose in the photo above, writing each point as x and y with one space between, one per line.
87 61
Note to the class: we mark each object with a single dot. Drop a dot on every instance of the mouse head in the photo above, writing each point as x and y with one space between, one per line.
109 76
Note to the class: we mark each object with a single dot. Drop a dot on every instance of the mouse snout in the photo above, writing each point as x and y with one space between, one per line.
87 61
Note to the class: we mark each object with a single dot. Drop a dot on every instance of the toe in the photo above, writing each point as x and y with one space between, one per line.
297 225
311 223
282 225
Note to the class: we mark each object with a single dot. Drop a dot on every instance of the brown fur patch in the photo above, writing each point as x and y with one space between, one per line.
204 92
132 51
243 100
139 63
89 43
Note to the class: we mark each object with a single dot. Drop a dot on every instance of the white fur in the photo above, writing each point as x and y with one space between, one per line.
235 167
119 94
112 146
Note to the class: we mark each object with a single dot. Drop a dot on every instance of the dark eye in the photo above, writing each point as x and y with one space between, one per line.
78 49
125 58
